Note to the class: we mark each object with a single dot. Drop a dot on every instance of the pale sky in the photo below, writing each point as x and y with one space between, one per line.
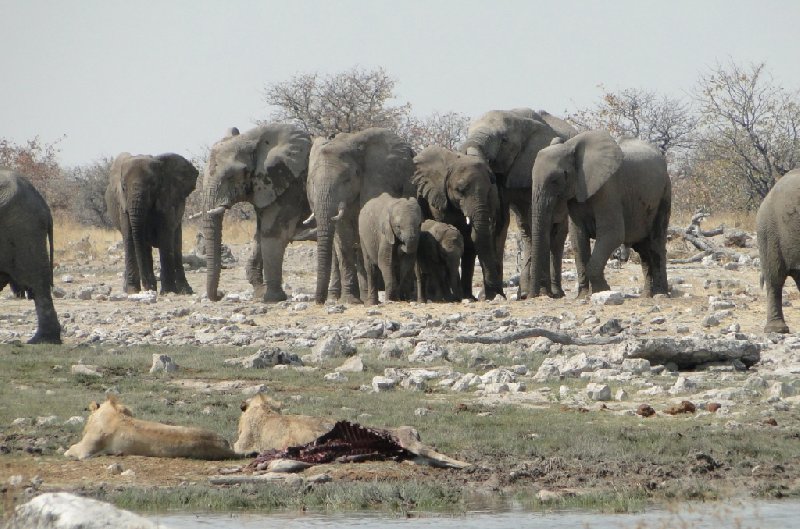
158 76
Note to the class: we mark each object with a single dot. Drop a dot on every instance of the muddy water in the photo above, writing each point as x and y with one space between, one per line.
749 515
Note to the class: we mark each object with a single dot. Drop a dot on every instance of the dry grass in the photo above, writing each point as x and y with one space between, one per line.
75 241
743 220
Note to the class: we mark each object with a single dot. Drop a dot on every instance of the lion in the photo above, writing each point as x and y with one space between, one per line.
111 429
262 427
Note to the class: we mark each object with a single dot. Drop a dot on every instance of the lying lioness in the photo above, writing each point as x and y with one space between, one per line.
111 429
262 427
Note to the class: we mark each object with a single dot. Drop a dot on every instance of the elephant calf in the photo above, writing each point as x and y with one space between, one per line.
778 228
26 226
389 231
438 260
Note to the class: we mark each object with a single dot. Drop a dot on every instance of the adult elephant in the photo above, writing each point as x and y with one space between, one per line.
344 173
509 141
459 189
266 166
146 197
615 194
778 228
26 264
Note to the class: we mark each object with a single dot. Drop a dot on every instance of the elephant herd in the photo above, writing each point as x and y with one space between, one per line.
387 218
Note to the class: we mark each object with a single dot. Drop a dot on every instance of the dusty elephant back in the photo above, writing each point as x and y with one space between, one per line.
778 223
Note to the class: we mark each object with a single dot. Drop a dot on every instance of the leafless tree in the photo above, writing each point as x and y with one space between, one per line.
88 184
667 122
344 102
751 126
38 161
447 130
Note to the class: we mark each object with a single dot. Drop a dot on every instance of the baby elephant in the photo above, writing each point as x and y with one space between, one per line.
438 260
778 227
389 230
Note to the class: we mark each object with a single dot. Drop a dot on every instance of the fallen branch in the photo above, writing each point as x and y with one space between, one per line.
696 258
536 332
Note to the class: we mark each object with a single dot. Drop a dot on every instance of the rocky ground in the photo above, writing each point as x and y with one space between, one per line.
616 351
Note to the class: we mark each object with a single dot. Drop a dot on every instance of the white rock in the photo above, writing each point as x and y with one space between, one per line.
62 510
146 297
85 293
45 420
332 345
598 392
335 377
163 363
415 383
21 421
428 352
608 297
563 391
621 395
66 278
74 420
351 365
637 366
380 383
683 384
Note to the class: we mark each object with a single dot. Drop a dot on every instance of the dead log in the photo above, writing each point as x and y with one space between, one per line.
696 258
536 332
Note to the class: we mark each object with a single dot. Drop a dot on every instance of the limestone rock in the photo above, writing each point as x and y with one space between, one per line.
689 352
62 510
598 392
351 365
331 346
608 297
163 363
427 352
264 358
380 383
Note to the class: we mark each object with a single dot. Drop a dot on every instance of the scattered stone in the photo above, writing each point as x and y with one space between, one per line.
645 410
335 309
394 349
332 346
85 293
351 365
683 384
598 392
128 473
62 510
86 370
621 395
335 377
147 297
611 328
163 363
427 352
736 238
637 366
689 352
287 465
75 420
684 407
114 469
66 278
608 297
264 358
380 383
46 420
59 292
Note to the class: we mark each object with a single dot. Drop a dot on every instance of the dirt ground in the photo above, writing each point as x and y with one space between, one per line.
88 271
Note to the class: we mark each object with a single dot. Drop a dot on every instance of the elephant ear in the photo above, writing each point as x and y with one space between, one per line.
430 175
597 157
561 127
280 161
386 161
387 233
181 175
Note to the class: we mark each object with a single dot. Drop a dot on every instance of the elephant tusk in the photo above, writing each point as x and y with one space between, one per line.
468 221
308 220
474 151
340 214
216 211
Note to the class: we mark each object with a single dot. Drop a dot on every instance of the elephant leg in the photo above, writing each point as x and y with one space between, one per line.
583 250
345 240
595 268
147 275
388 270
48 330
558 237
181 284
467 270
166 251
371 271
646 257
272 251
254 268
335 284
131 282
522 211
774 287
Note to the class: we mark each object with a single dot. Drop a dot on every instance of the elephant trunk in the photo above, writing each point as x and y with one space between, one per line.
485 248
137 213
541 227
212 230
327 215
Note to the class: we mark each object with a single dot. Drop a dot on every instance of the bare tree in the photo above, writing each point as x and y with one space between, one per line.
668 123
447 130
751 126
38 161
345 102
88 183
